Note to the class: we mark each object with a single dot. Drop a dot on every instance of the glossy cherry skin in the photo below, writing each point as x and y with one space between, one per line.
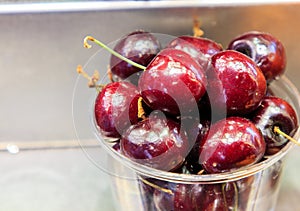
274 111
196 197
232 143
265 49
201 49
217 197
138 46
116 108
180 199
236 84
173 82
156 142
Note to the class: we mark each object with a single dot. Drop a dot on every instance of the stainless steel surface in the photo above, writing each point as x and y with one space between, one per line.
31 6
40 50
61 180
52 180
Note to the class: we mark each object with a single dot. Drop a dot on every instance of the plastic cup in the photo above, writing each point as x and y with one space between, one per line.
140 188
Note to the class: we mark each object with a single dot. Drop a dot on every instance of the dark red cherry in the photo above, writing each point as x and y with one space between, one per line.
163 197
138 46
232 143
116 108
236 84
201 49
182 197
196 197
217 197
265 49
274 111
157 142
173 82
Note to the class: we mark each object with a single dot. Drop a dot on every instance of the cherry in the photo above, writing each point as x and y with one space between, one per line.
195 197
265 49
201 49
217 197
274 111
180 197
173 82
164 200
116 108
232 143
157 142
138 46
236 84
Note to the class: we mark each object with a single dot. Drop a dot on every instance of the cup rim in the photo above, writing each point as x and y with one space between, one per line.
228 176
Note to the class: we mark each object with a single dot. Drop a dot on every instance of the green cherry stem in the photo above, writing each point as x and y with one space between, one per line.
278 131
92 39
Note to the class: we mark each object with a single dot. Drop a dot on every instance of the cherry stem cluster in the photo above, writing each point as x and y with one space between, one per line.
92 80
102 45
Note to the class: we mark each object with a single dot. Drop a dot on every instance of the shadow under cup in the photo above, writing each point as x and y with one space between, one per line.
140 188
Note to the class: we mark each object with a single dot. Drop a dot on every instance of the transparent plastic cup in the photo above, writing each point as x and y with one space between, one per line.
140 188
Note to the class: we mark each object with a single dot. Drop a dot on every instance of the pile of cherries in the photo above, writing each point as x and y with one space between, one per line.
194 107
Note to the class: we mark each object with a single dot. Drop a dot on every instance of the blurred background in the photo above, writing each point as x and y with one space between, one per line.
44 164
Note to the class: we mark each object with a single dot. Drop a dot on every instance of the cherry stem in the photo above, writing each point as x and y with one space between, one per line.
157 187
141 111
198 32
102 45
110 74
236 192
278 131
200 172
